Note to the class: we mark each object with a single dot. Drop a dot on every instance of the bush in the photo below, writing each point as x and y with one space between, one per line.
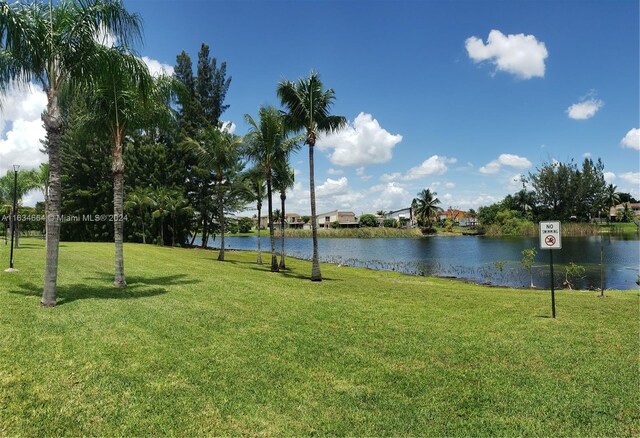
244 225
368 220
390 223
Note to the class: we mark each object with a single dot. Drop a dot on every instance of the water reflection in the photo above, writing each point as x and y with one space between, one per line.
478 259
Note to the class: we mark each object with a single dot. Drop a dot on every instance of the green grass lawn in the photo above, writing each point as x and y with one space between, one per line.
195 346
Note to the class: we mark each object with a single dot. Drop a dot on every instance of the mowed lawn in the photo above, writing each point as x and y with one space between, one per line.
195 346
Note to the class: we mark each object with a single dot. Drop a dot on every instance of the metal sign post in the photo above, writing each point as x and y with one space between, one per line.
550 238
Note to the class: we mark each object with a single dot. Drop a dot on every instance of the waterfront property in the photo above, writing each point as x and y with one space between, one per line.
634 207
229 348
404 216
344 219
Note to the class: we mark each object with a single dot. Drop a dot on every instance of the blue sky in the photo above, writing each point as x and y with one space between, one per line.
455 96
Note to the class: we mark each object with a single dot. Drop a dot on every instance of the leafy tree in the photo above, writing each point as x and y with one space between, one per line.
306 219
528 258
244 225
571 272
368 220
426 207
626 214
55 45
390 223
308 107
27 180
219 151
200 106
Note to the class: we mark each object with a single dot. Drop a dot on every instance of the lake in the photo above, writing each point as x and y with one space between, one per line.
479 259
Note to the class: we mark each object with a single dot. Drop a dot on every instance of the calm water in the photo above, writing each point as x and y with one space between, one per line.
473 258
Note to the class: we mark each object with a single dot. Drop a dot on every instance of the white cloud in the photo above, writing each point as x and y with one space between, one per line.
387 177
449 185
509 160
584 110
609 177
521 55
632 139
390 196
333 187
360 172
631 178
362 142
587 155
21 127
434 165
156 68
333 171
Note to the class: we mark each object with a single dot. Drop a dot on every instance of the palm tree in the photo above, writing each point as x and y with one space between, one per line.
120 103
308 108
139 200
218 150
176 203
266 142
161 198
426 207
55 46
611 199
257 188
283 180
27 181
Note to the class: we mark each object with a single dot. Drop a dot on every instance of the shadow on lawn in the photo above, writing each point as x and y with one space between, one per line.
266 267
137 287
69 293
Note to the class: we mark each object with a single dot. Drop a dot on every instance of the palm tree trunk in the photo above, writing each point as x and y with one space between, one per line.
274 258
283 197
53 124
144 234
221 221
173 231
118 211
259 250
205 235
315 261
162 229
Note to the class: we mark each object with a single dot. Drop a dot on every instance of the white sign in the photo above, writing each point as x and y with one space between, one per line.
550 235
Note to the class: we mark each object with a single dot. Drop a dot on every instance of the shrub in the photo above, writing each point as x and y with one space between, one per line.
390 223
368 220
244 225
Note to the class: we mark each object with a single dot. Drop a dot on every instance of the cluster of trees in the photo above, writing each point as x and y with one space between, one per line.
185 169
558 191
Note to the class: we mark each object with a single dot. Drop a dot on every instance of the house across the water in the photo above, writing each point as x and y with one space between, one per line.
344 219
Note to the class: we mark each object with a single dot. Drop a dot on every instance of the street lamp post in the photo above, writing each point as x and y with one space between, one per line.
16 167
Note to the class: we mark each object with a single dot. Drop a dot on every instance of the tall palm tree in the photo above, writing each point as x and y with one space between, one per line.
120 103
161 198
611 199
426 207
140 200
283 181
266 142
176 204
308 108
55 46
257 189
219 150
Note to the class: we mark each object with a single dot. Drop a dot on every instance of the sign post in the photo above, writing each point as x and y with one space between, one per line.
550 238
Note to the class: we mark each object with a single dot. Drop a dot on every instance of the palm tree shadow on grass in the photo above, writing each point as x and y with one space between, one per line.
139 287
265 268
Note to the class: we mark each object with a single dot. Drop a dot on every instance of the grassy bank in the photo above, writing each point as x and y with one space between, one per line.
195 346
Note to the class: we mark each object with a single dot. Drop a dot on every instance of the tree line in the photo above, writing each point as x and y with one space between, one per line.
557 191
150 152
